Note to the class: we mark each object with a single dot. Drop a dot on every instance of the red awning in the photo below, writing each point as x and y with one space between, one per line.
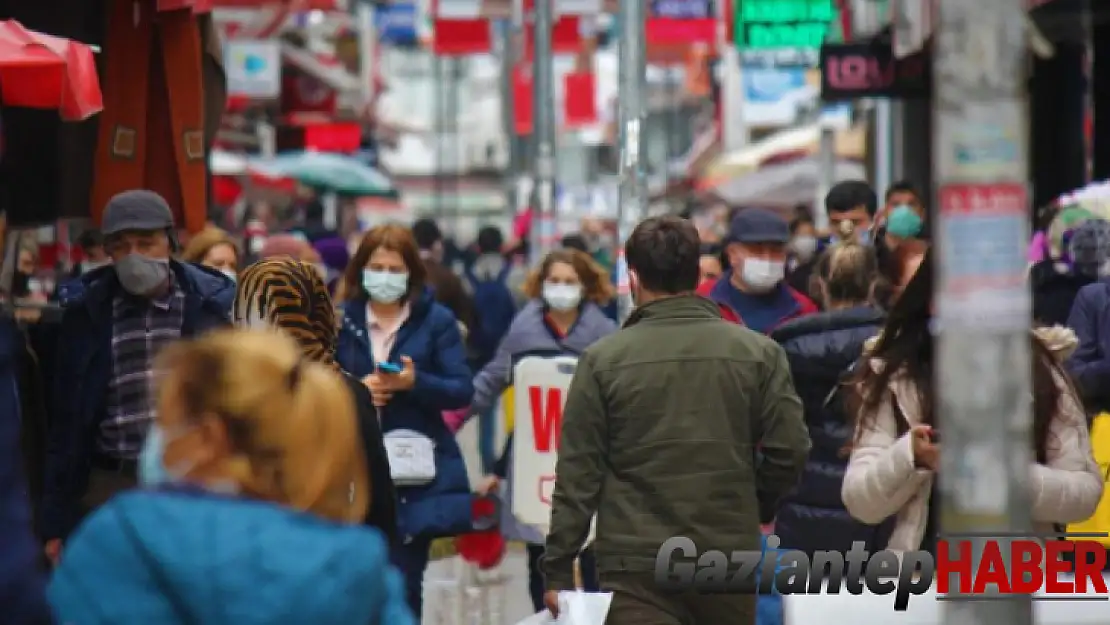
42 71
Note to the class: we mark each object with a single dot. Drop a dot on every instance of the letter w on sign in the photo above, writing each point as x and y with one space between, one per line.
547 417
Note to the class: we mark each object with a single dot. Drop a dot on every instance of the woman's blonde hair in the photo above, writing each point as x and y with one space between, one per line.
202 242
290 421
847 272
596 286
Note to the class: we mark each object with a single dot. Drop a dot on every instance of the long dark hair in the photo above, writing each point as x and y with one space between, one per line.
906 348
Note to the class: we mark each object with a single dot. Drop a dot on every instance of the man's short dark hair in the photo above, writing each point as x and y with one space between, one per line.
849 195
576 242
427 233
490 240
799 221
902 186
90 239
664 253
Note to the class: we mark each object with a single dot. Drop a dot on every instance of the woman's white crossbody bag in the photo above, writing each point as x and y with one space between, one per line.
412 460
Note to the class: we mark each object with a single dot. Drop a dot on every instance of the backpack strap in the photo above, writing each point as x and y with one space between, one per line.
503 275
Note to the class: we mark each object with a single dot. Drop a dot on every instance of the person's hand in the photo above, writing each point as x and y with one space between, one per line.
379 390
926 454
488 485
53 550
551 601
402 381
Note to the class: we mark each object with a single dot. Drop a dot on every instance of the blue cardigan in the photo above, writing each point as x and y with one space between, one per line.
181 557
430 337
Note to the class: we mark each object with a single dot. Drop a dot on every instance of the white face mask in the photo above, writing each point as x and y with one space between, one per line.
804 247
231 275
384 286
562 296
761 274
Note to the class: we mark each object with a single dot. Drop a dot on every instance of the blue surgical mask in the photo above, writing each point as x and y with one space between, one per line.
152 464
384 286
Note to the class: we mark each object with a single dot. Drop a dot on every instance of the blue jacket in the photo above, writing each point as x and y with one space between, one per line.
1089 365
83 367
529 335
821 349
21 582
430 337
182 557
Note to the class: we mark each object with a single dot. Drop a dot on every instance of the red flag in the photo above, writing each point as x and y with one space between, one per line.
522 99
462 37
566 37
580 102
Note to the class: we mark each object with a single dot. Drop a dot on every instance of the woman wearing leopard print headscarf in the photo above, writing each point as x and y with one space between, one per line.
290 296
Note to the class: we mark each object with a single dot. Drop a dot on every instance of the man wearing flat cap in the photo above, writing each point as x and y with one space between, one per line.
753 291
116 320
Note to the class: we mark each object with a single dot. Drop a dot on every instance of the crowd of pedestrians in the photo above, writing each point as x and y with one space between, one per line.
267 434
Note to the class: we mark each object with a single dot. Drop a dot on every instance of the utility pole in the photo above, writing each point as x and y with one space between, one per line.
510 56
543 102
632 95
982 302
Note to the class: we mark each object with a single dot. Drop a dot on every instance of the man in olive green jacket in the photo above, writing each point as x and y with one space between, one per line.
680 424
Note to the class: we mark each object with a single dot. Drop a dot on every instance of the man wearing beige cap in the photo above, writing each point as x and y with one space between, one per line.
116 320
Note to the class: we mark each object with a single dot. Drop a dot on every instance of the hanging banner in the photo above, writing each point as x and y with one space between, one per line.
522 99
541 386
777 96
580 100
566 37
462 37
681 22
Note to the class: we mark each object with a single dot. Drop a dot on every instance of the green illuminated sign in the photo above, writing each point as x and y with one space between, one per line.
764 24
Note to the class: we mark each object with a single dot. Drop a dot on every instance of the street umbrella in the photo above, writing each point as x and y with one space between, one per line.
326 171
46 72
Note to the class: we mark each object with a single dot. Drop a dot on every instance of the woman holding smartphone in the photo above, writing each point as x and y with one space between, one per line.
408 351
893 470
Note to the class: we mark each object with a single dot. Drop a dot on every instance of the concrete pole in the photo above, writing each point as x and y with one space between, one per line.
734 129
543 101
983 305
510 56
826 174
632 95
884 152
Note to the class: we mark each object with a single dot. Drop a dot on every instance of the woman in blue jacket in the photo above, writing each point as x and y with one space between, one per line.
255 492
562 318
408 351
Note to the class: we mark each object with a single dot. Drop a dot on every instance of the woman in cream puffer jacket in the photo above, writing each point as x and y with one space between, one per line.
885 479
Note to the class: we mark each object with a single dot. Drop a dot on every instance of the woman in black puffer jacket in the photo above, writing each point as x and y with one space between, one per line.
822 349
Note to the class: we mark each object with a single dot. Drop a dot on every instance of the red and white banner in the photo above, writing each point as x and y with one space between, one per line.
540 388
488 9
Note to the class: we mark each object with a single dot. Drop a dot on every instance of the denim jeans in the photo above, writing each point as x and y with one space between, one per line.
487 435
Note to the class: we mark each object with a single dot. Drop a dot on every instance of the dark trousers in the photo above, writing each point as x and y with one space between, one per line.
412 560
637 601
107 483
586 565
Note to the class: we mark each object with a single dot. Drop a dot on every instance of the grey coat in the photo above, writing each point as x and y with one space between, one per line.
529 335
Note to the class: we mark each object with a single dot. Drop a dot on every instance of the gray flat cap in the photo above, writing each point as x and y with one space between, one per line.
136 210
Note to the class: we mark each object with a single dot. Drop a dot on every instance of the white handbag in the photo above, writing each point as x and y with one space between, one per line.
412 460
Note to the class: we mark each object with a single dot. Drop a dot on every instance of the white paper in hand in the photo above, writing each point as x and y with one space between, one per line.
584 608
576 608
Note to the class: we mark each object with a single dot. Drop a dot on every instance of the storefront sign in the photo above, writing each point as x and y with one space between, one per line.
396 24
782 23
681 9
869 70
253 69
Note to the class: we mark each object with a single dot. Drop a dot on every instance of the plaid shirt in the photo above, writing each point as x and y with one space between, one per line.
140 329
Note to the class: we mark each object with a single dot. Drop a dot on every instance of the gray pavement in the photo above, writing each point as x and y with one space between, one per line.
455 594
